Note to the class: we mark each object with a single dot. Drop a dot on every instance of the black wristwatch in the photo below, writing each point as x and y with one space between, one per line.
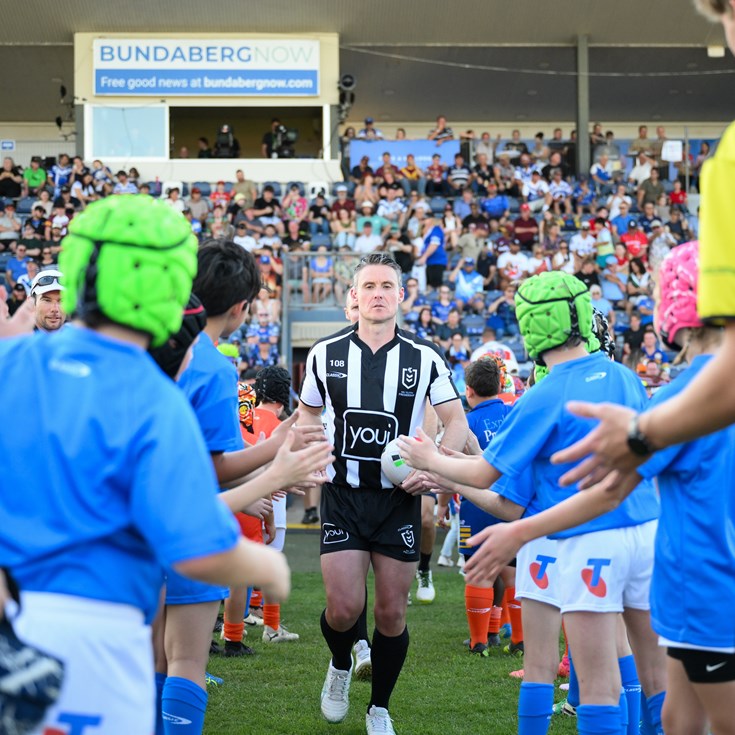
638 442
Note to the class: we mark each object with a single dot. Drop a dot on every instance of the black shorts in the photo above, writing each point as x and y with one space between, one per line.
705 667
385 521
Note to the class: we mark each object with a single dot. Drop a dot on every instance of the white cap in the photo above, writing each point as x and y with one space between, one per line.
45 281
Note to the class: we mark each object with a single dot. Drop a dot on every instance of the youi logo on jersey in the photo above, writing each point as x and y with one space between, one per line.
366 433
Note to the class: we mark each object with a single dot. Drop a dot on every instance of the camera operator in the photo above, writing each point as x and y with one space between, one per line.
278 143
226 145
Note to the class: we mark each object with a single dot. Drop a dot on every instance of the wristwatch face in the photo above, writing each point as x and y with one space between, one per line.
638 446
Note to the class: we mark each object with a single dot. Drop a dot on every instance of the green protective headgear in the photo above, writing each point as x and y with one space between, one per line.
551 308
132 258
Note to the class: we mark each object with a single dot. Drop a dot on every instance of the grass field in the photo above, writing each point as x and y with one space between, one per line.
442 690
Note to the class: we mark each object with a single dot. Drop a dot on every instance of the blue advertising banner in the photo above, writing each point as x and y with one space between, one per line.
422 150
239 67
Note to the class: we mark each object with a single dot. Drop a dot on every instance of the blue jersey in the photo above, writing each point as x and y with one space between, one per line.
540 425
519 490
105 477
210 383
485 419
695 542
435 237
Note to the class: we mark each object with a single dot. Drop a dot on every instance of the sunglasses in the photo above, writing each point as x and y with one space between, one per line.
47 280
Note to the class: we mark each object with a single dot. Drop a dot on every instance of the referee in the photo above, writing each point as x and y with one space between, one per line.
373 379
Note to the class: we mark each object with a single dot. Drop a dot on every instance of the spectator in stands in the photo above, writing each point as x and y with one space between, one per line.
380 225
101 174
526 228
588 272
467 281
452 227
83 189
297 235
563 260
651 349
295 204
535 192
369 132
616 199
392 207
220 196
632 340
442 132
400 134
436 184
17 265
424 326
235 209
243 239
267 208
496 204
263 355
583 197
65 200
246 187
318 216
660 243
360 171
205 150
620 224
678 225
413 302
502 314
367 191
444 331
174 199
17 298
413 178
475 224
605 244
226 145
458 352
443 305
539 262
642 144
601 175
368 240
556 160
540 151
60 173
262 326
614 279
512 265
646 219
482 174
198 205
34 177
486 147
123 186
640 172
78 169
342 202
551 238
37 220
704 153
217 223
270 242
458 175
639 283
504 174
10 227
523 171
583 245
651 189
48 258
515 143
560 192
253 224
433 253
635 241
196 225
386 167
344 230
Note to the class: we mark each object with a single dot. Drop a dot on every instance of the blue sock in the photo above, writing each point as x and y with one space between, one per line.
632 689
646 726
623 704
573 693
160 681
597 719
184 704
247 601
655 704
535 704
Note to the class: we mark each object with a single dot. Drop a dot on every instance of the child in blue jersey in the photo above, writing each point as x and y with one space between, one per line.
88 528
227 281
604 562
695 543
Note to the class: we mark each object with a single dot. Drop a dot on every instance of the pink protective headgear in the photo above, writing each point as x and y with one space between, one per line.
677 302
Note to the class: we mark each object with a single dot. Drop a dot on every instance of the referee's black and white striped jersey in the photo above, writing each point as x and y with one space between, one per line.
372 398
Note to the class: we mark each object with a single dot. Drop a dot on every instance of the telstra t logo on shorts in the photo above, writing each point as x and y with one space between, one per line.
593 577
366 433
538 570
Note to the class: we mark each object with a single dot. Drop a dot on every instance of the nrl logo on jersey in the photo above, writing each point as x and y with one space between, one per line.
407 535
409 378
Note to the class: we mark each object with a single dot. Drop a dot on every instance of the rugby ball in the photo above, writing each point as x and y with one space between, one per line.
393 465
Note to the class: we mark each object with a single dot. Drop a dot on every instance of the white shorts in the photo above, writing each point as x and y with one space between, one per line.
106 648
279 512
607 571
537 572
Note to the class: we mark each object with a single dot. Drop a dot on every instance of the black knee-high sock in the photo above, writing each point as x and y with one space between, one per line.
424 562
340 644
388 655
362 631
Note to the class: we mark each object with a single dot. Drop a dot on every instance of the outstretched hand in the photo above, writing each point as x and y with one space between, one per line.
303 435
295 466
605 447
417 451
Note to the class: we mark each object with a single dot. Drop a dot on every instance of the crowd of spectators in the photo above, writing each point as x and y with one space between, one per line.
464 235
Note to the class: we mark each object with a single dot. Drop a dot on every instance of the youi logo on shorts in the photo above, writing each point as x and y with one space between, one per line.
366 433
538 570
333 534
593 577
